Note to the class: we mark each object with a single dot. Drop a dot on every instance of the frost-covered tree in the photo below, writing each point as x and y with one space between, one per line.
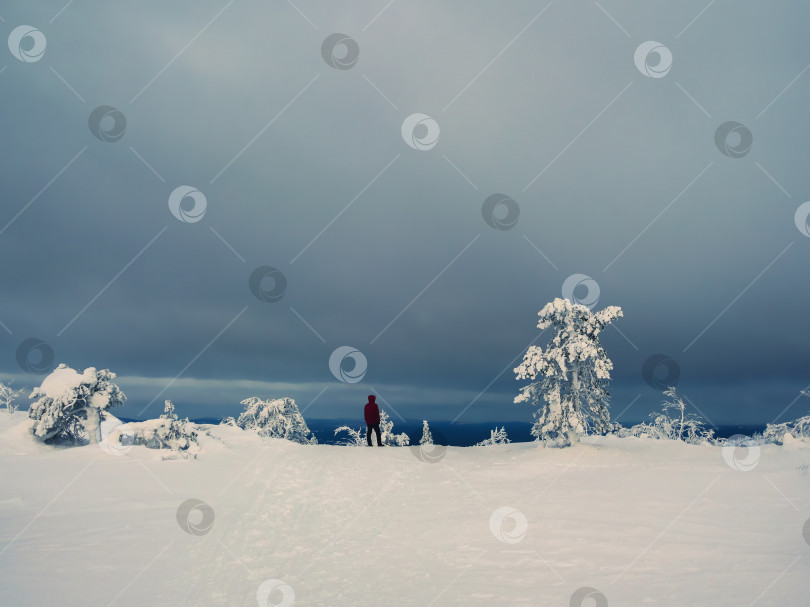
275 418
387 433
497 436
355 438
569 378
69 404
7 397
427 437
672 423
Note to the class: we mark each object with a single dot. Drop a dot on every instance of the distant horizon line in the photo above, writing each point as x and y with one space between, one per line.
445 421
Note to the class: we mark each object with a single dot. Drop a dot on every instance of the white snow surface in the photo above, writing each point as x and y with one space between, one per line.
644 522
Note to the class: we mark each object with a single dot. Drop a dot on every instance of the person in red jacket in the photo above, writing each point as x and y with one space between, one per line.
372 414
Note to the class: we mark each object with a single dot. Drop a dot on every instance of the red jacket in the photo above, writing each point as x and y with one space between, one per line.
372 413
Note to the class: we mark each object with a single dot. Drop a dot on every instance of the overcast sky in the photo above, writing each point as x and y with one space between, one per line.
612 156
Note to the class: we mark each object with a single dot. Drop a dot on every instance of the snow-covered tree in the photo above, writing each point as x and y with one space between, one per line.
427 437
496 437
275 418
7 397
387 433
672 423
69 404
355 438
571 374
165 432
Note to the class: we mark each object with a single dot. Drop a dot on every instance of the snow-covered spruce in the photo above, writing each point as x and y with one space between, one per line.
165 432
7 398
427 436
68 404
496 437
672 423
276 418
387 432
571 374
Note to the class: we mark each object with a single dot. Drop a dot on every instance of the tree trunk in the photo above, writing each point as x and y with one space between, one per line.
574 436
92 424
575 388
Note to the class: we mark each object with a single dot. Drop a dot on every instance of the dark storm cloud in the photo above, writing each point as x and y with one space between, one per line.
384 247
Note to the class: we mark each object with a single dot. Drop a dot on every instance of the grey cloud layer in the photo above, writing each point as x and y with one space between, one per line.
540 106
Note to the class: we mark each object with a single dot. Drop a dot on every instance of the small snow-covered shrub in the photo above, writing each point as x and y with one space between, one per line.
496 437
276 418
642 430
387 433
7 398
671 423
68 404
165 432
798 428
354 438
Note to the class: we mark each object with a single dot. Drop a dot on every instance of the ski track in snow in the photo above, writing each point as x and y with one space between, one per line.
644 522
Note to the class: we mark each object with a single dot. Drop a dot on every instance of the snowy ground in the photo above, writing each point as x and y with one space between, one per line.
643 522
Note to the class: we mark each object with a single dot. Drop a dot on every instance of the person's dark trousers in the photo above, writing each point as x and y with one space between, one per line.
376 428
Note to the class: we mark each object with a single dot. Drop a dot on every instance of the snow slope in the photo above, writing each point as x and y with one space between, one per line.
643 522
